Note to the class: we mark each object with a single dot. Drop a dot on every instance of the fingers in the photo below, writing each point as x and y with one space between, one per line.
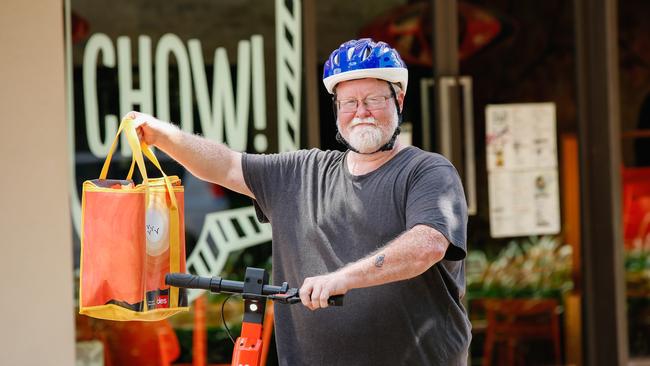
305 292
322 298
150 129
311 293
316 291
139 118
138 130
145 126
316 296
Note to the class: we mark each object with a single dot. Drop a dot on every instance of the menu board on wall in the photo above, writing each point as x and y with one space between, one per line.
522 169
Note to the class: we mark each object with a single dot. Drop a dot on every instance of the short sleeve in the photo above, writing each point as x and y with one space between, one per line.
435 198
270 177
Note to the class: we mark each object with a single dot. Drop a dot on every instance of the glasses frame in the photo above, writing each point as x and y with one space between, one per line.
392 93
365 102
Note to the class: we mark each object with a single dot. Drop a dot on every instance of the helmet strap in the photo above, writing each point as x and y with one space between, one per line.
342 141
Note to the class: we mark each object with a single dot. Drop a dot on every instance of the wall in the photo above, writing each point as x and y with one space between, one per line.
36 306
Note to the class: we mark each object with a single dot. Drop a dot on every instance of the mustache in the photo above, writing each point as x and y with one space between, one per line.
357 121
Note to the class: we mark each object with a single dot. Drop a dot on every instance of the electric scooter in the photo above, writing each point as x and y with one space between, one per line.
255 290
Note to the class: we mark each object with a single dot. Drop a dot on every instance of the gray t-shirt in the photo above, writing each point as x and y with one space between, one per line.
323 218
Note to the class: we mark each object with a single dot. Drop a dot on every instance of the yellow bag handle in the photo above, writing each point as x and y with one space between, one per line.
127 126
137 149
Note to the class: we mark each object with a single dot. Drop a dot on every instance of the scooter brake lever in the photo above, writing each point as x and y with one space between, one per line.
289 297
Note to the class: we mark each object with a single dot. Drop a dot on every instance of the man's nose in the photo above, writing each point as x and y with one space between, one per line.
362 110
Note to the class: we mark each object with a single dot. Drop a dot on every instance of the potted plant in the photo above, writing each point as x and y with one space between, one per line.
536 267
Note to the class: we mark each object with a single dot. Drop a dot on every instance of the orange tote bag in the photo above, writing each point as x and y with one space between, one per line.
132 235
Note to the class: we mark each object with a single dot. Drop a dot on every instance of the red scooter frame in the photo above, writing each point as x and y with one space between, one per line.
255 290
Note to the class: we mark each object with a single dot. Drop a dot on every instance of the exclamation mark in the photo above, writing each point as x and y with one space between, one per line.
260 141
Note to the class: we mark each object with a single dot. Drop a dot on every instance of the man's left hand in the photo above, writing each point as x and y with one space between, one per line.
315 291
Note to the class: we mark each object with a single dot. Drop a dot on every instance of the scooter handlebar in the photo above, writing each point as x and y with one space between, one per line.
213 284
217 284
186 280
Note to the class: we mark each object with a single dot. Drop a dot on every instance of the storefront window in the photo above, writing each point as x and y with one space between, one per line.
222 70
523 279
634 71
234 72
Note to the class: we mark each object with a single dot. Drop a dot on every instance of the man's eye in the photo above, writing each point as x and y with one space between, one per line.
374 100
348 103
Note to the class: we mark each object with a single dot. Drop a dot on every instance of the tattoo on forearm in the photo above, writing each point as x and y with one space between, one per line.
379 261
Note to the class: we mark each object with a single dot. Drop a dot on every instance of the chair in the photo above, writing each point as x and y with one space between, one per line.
511 322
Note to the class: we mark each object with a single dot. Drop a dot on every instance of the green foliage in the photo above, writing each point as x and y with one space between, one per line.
637 270
541 267
536 267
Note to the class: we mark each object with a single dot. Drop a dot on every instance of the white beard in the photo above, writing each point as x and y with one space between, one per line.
367 138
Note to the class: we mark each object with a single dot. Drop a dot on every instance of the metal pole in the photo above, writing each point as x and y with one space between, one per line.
312 82
445 71
604 314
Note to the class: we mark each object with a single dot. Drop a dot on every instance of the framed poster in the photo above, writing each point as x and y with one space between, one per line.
523 186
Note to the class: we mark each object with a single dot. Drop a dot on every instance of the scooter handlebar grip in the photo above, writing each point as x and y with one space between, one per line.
336 300
185 280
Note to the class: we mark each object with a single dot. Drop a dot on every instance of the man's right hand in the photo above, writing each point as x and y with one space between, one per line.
150 129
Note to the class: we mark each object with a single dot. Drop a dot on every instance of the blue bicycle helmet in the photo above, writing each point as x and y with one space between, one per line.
364 58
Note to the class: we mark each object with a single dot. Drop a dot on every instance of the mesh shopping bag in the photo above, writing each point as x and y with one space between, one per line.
132 235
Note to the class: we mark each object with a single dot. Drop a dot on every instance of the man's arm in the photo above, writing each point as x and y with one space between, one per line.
205 159
409 255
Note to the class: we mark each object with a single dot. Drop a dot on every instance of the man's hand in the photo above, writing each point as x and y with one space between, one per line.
316 290
150 129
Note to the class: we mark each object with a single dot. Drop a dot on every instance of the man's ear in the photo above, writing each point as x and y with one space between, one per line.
400 101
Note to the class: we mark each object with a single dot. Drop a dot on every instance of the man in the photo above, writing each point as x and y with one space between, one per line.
383 223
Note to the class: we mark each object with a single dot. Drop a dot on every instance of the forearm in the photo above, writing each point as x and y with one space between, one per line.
205 159
408 256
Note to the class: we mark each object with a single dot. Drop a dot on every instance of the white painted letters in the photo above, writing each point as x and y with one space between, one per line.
222 117
130 97
171 44
97 43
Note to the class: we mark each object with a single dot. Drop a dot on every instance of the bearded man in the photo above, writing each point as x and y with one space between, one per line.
383 223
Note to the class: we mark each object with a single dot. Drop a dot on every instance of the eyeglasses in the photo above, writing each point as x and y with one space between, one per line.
371 103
